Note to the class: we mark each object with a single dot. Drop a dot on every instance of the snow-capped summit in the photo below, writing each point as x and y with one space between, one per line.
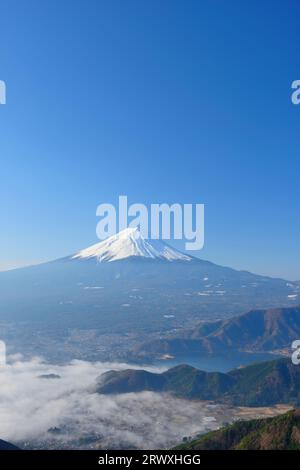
130 243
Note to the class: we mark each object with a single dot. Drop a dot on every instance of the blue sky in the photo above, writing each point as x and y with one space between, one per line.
164 101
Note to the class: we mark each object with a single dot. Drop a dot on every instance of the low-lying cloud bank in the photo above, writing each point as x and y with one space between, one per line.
55 406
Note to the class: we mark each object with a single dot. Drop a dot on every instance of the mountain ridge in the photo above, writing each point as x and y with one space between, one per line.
259 330
260 384
4 445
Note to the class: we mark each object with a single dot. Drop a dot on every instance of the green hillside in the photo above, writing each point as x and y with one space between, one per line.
279 433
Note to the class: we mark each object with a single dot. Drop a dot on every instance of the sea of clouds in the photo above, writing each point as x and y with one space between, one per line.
67 412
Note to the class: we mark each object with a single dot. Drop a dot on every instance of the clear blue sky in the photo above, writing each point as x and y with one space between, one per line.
165 101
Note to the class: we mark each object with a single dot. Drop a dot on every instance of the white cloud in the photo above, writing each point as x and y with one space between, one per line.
30 406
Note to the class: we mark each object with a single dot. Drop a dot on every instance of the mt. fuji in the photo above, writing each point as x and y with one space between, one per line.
130 287
130 243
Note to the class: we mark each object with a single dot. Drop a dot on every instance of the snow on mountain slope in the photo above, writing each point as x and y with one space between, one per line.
129 243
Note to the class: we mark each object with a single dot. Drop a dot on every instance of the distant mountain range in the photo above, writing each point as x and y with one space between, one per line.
256 331
262 384
278 433
129 284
